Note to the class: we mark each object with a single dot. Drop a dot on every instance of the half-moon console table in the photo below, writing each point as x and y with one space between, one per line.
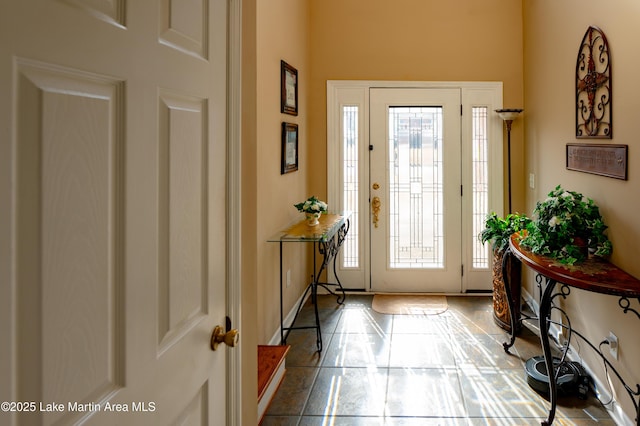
594 275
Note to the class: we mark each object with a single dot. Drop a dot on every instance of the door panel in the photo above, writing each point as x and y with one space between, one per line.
120 242
182 226
69 236
415 161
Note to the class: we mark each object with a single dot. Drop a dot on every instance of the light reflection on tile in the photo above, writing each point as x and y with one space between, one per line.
357 350
364 321
433 392
483 351
348 391
410 370
420 324
421 350
496 392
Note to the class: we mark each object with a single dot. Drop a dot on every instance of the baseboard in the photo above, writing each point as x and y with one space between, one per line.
288 320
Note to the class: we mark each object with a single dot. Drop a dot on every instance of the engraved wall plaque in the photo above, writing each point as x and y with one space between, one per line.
604 160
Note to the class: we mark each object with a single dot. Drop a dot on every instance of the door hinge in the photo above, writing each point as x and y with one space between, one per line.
460 109
370 147
461 190
462 270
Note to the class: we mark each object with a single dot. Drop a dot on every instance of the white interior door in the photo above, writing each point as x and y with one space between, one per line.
415 175
432 154
113 155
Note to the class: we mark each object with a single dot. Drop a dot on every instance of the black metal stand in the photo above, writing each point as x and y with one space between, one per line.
329 250
547 305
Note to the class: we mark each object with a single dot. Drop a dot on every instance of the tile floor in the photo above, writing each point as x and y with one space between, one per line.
447 369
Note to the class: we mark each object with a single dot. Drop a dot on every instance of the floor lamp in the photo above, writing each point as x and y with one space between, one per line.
508 115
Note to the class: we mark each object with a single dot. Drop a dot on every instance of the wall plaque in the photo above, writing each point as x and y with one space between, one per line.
605 160
593 87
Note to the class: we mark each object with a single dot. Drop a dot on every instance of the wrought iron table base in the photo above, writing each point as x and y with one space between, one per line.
546 307
329 250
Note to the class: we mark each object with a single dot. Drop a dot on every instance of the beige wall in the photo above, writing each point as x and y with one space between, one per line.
427 40
282 34
372 40
553 31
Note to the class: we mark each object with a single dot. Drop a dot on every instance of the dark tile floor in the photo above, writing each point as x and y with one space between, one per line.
447 369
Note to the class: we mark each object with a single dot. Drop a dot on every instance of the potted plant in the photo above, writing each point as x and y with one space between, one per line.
497 232
312 208
567 227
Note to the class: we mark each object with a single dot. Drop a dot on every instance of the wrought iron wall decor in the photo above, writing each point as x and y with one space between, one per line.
593 87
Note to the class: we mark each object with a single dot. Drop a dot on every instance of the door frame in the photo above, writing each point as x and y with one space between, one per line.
356 92
234 208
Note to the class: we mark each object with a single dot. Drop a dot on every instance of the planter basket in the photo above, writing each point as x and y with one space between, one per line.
500 304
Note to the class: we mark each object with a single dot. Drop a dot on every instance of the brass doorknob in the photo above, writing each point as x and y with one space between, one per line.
230 338
375 185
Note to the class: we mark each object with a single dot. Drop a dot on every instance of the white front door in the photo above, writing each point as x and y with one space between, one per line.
428 158
415 181
113 119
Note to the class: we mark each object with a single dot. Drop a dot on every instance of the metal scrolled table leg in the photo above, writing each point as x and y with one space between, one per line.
545 316
507 290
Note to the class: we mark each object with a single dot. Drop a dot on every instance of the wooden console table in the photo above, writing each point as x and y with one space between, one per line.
327 237
594 275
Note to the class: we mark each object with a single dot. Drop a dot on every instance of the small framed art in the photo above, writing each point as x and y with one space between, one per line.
289 148
289 89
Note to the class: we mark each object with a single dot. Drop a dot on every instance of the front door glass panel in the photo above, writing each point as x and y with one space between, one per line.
415 179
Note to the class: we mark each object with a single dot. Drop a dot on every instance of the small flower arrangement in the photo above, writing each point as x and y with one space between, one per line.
312 205
566 227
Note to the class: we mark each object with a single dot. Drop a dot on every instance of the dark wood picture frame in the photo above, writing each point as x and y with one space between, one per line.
289 161
288 89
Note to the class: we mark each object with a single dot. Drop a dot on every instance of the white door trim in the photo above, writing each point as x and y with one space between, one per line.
234 195
356 92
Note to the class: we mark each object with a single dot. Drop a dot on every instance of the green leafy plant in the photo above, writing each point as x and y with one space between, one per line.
498 229
311 205
566 227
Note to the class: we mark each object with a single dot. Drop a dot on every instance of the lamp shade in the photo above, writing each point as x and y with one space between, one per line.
509 114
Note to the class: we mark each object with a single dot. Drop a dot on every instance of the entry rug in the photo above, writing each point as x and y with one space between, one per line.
401 304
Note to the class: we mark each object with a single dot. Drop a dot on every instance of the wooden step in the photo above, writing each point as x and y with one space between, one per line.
271 369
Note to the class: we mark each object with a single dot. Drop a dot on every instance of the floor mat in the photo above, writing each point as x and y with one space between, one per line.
400 304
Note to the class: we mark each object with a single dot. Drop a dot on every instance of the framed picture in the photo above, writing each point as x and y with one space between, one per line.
289 148
289 89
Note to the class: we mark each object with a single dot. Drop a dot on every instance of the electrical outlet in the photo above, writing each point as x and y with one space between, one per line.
613 344
532 181
288 277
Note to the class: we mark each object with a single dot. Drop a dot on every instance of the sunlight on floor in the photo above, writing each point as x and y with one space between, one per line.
447 369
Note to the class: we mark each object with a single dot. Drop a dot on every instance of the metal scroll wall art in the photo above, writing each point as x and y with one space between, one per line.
593 87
